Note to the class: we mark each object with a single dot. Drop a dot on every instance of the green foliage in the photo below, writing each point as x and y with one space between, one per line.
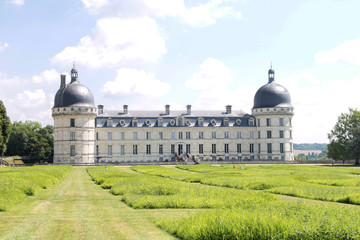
310 146
5 128
30 139
17 183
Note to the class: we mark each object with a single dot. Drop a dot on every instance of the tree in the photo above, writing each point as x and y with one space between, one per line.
30 139
5 127
345 137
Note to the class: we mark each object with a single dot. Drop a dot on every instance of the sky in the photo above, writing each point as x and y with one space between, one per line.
206 53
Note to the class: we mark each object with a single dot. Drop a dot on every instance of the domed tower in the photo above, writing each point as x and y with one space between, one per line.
273 112
74 115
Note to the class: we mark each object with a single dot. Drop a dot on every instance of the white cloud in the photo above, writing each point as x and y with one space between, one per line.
47 77
131 81
213 74
3 46
16 2
116 41
200 15
348 51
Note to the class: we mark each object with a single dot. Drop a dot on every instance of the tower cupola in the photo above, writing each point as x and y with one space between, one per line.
74 74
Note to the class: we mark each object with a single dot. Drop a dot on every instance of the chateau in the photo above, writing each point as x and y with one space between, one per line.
86 134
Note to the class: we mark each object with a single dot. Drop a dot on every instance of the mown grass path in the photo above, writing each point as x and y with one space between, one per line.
76 208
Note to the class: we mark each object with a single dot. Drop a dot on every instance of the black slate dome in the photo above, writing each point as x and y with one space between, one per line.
73 94
272 94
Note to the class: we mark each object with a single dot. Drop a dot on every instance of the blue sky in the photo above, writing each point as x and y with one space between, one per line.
208 53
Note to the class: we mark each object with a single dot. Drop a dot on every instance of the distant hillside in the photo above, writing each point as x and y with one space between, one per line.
310 146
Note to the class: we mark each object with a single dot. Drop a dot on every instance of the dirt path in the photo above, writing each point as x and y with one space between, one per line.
78 209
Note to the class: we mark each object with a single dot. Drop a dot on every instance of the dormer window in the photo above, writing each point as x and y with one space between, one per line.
122 122
172 122
213 122
180 121
226 122
251 122
200 122
238 121
109 122
187 122
160 122
148 122
135 122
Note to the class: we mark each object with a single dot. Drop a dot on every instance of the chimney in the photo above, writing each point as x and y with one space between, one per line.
188 109
62 81
228 109
100 109
167 109
125 107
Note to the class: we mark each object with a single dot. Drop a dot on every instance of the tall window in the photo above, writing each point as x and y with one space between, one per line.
290 134
269 148
238 134
109 153
201 149
251 134
122 136
122 149
135 137
161 149
201 135
97 136
72 136
281 148
148 149
251 148
188 148
72 150
172 135
135 149
213 148
172 148
226 148
148 135
72 122
213 134
268 122
281 121
238 148
188 136
226 134
160 135
259 147
258 122
268 134
281 134
180 135
97 150
259 135
109 135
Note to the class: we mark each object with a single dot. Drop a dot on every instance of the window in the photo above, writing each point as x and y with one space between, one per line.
201 149
135 150
97 150
109 122
135 123
148 149
188 148
160 135
251 134
268 134
135 137
97 136
122 149
251 122
226 122
238 134
259 148
148 135
290 134
109 135
238 148
109 153
188 136
72 150
226 134
200 122
268 122
72 136
281 121
226 148
180 135
213 134
269 148
258 122
201 135
161 149
290 122
160 122
172 135
172 148
251 148
122 136
281 148
259 135
72 122
281 134
213 148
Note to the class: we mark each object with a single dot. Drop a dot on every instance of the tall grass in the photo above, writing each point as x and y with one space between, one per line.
16 183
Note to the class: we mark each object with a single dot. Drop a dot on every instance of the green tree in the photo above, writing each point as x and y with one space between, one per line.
5 127
30 139
345 137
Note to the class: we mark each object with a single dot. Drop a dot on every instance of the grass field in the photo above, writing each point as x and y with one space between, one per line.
185 202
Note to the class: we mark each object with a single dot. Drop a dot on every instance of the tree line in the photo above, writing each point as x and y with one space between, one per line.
25 138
